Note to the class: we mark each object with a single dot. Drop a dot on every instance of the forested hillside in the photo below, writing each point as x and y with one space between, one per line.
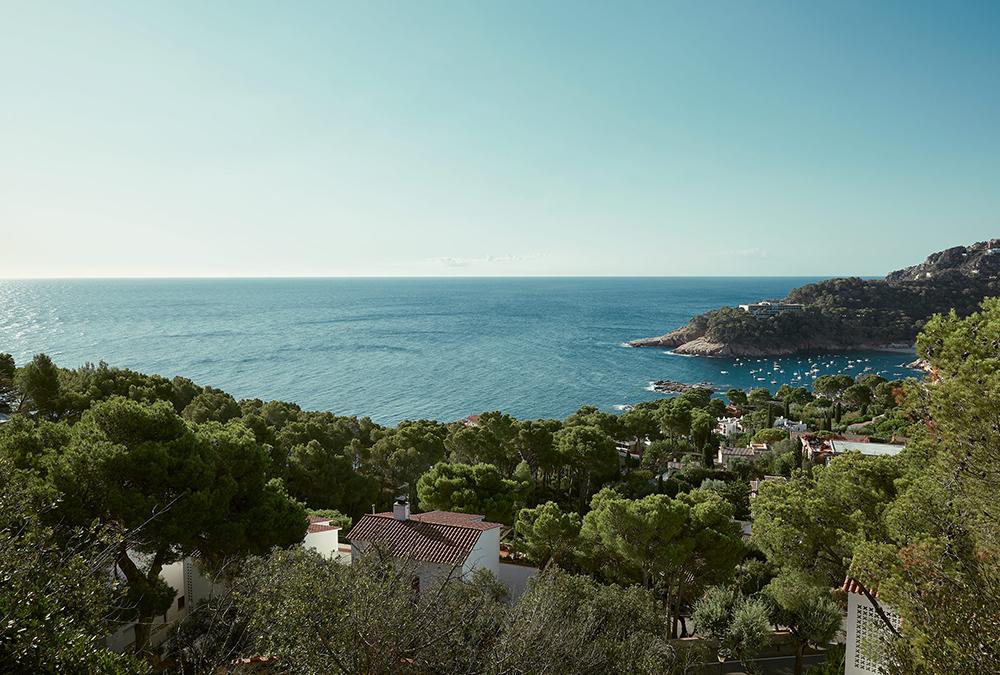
850 313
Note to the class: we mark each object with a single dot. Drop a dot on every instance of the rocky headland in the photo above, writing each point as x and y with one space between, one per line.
848 313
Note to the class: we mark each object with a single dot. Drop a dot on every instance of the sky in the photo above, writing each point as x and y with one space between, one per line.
484 138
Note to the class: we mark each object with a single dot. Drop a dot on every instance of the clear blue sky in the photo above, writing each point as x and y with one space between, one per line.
494 138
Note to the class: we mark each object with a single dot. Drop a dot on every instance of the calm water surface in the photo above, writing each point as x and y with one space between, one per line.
400 348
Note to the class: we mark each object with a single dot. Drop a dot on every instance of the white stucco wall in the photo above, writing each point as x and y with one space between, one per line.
174 575
486 553
190 587
325 543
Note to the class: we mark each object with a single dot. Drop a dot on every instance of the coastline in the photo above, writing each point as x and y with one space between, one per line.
709 349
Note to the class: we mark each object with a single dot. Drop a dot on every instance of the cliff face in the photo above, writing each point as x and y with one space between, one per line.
848 314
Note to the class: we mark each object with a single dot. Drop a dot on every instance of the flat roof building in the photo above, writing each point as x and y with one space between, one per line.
871 449
766 308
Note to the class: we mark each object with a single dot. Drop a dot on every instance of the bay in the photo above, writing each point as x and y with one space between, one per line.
393 349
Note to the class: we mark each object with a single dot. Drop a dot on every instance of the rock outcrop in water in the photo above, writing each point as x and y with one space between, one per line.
850 313
674 387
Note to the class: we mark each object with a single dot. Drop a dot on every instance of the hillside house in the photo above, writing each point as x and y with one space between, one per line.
790 426
324 538
726 456
729 426
839 447
440 544
191 586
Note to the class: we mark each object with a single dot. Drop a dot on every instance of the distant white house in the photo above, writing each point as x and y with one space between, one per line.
632 449
324 538
728 426
191 586
790 426
726 456
865 631
439 544
824 449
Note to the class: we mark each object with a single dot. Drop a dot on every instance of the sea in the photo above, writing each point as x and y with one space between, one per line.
394 349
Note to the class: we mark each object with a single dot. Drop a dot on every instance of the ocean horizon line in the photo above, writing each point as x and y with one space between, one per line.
440 277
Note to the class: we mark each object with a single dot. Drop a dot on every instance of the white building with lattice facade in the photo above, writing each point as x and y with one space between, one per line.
866 632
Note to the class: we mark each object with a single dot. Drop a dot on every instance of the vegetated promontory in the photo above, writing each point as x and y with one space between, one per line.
850 313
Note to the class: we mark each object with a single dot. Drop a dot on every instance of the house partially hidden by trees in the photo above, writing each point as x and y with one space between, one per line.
441 544
868 627
323 537
822 449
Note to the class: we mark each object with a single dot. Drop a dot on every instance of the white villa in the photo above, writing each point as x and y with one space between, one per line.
823 450
790 426
726 456
727 426
324 538
439 543
190 586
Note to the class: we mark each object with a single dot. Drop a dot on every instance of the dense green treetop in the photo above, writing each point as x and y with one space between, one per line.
55 600
470 488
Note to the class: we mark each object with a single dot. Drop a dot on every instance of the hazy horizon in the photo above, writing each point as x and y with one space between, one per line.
448 276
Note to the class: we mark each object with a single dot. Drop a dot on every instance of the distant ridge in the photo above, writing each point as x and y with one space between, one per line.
848 313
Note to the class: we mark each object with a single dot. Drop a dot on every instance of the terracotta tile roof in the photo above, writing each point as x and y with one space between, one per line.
470 520
742 452
852 585
320 524
437 536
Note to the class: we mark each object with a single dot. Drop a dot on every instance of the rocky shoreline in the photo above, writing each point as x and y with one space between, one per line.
702 346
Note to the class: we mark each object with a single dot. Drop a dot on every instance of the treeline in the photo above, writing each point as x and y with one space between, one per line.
350 464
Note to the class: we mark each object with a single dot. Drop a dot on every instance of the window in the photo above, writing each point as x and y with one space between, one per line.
180 603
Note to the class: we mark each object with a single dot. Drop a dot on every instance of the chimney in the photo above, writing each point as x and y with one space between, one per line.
401 509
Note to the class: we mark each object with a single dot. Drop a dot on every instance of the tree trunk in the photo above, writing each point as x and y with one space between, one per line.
679 598
134 575
798 657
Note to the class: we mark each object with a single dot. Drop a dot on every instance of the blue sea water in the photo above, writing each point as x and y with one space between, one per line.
394 349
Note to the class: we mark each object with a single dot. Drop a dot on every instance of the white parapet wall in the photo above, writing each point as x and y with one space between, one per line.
515 578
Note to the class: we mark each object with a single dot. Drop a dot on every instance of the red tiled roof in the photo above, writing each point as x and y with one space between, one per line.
437 536
320 524
852 585
470 520
742 452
